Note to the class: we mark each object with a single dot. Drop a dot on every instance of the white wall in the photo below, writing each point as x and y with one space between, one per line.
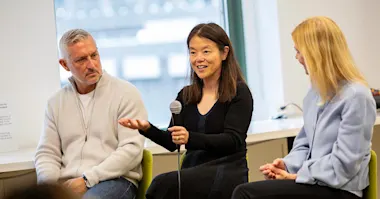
29 73
359 21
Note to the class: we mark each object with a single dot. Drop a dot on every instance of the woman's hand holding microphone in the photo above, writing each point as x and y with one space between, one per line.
179 134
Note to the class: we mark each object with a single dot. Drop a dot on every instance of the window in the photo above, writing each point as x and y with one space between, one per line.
263 56
143 42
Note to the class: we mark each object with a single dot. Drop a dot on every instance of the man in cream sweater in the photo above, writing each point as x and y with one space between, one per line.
82 145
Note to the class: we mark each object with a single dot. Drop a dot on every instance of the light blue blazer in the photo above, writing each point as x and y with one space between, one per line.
333 147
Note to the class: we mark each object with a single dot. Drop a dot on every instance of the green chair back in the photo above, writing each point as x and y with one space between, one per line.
371 191
147 167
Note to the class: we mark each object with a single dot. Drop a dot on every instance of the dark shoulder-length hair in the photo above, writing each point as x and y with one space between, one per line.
230 72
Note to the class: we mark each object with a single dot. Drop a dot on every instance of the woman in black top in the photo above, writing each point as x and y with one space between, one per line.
216 113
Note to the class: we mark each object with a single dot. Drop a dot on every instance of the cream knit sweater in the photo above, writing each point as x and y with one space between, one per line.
104 150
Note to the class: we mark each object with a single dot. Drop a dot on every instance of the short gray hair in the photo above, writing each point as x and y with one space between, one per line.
71 37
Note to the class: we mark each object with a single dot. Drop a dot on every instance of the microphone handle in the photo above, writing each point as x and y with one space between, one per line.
178 146
179 164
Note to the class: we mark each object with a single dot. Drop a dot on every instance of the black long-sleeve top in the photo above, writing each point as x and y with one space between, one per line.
224 131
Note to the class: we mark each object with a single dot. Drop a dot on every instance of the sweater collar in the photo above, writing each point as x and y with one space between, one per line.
103 80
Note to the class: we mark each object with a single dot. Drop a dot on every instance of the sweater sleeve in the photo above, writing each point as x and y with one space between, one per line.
161 137
128 154
48 156
237 120
294 160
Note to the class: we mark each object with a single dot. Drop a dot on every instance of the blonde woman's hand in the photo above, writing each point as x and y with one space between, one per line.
280 174
135 124
268 174
279 163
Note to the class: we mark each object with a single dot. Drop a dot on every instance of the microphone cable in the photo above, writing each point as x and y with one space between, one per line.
178 166
179 171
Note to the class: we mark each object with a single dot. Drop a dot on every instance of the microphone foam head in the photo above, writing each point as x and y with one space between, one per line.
175 107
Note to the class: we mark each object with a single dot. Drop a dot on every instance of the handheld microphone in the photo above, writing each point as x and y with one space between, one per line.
175 109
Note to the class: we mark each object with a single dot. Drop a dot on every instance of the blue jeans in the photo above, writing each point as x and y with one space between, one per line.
118 188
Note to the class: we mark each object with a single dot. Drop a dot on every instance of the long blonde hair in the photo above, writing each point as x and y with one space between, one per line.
327 56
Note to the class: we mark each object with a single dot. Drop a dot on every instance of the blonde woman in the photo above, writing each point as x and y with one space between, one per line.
330 155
